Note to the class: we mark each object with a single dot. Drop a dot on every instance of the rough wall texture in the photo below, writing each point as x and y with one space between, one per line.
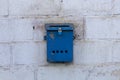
96 44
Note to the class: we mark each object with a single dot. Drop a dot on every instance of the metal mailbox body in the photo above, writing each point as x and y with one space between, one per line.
59 42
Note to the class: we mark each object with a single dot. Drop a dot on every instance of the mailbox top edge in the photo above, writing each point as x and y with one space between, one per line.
55 26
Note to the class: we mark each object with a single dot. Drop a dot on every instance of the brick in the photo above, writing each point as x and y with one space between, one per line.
86 7
21 29
110 72
5 31
29 53
17 73
5 54
37 7
39 29
22 73
116 7
3 7
116 50
102 28
92 52
5 74
62 73
115 24
15 30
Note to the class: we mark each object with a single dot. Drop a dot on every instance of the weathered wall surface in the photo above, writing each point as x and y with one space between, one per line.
96 44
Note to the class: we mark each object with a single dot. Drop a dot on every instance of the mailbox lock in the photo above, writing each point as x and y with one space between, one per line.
60 31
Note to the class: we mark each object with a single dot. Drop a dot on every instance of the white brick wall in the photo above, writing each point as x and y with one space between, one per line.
116 50
92 52
65 73
116 7
3 7
5 31
29 53
22 73
21 29
5 74
86 7
31 8
5 54
108 72
102 27
17 73
96 44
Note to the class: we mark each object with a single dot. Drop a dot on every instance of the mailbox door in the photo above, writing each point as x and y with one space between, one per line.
60 47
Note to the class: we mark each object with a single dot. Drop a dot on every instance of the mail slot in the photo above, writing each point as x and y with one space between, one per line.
59 38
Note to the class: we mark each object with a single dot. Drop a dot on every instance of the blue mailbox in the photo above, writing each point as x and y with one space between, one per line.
59 39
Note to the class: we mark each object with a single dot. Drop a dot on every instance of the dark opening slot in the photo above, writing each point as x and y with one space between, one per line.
66 51
53 51
57 51
61 51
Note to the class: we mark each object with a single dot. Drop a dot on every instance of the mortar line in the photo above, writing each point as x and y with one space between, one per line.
89 74
35 74
11 55
84 26
8 7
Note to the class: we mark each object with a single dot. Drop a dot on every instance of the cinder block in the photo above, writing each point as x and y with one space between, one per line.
92 52
62 73
22 73
3 7
116 51
5 74
33 8
101 72
5 54
29 53
102 28
116 7
86 7
17 73
110 72
5 31
115 27
38 29
22 29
